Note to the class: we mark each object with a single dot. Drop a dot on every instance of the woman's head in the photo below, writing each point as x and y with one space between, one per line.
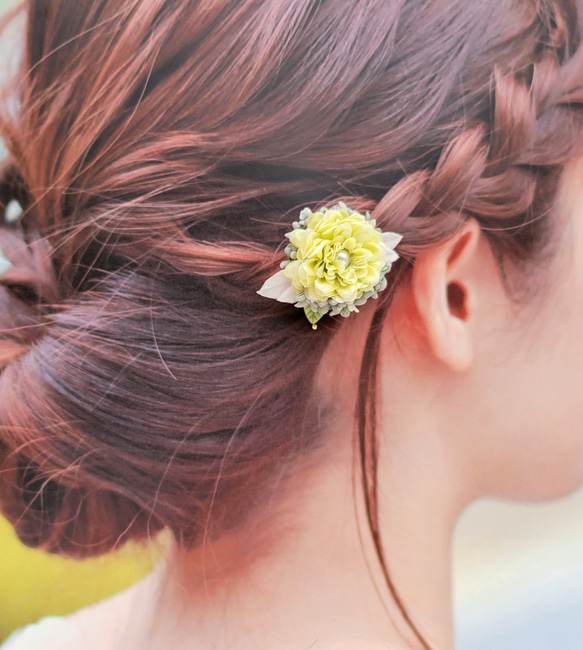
160 151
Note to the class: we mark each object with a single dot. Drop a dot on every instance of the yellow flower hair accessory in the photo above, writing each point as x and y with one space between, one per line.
338 259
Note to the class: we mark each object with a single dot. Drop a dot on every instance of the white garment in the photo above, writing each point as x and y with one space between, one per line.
51 633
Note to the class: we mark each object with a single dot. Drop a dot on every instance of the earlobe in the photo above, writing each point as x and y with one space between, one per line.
444 296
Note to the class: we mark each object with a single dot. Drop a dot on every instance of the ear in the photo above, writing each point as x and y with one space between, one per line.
446 287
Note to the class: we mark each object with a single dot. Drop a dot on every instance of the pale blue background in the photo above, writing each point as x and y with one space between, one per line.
518 572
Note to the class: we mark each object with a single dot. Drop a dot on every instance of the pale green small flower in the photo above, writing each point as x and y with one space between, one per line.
337 260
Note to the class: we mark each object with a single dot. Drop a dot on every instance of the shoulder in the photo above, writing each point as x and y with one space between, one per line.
355 644
87 629
91 628
52 633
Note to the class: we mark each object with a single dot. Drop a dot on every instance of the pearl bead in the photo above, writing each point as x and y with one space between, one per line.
343 257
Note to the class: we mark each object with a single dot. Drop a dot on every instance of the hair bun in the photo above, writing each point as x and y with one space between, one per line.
64 519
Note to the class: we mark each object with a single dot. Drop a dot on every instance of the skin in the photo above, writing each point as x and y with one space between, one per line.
480 396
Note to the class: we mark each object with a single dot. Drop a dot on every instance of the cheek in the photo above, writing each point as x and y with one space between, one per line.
534 409
538 453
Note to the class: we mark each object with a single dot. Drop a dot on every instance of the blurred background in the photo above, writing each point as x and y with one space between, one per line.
518 570
518 576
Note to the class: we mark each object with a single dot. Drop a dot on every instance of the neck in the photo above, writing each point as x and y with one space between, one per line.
307 575
420 506
315 574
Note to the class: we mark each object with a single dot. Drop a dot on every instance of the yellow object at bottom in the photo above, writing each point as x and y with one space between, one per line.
34 584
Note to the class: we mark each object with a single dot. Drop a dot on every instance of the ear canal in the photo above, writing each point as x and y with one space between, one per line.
457 302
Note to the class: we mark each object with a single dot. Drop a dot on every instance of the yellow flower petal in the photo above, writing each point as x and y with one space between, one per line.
337 256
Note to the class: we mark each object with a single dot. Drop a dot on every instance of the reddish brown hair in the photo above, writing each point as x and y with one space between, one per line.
160 151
